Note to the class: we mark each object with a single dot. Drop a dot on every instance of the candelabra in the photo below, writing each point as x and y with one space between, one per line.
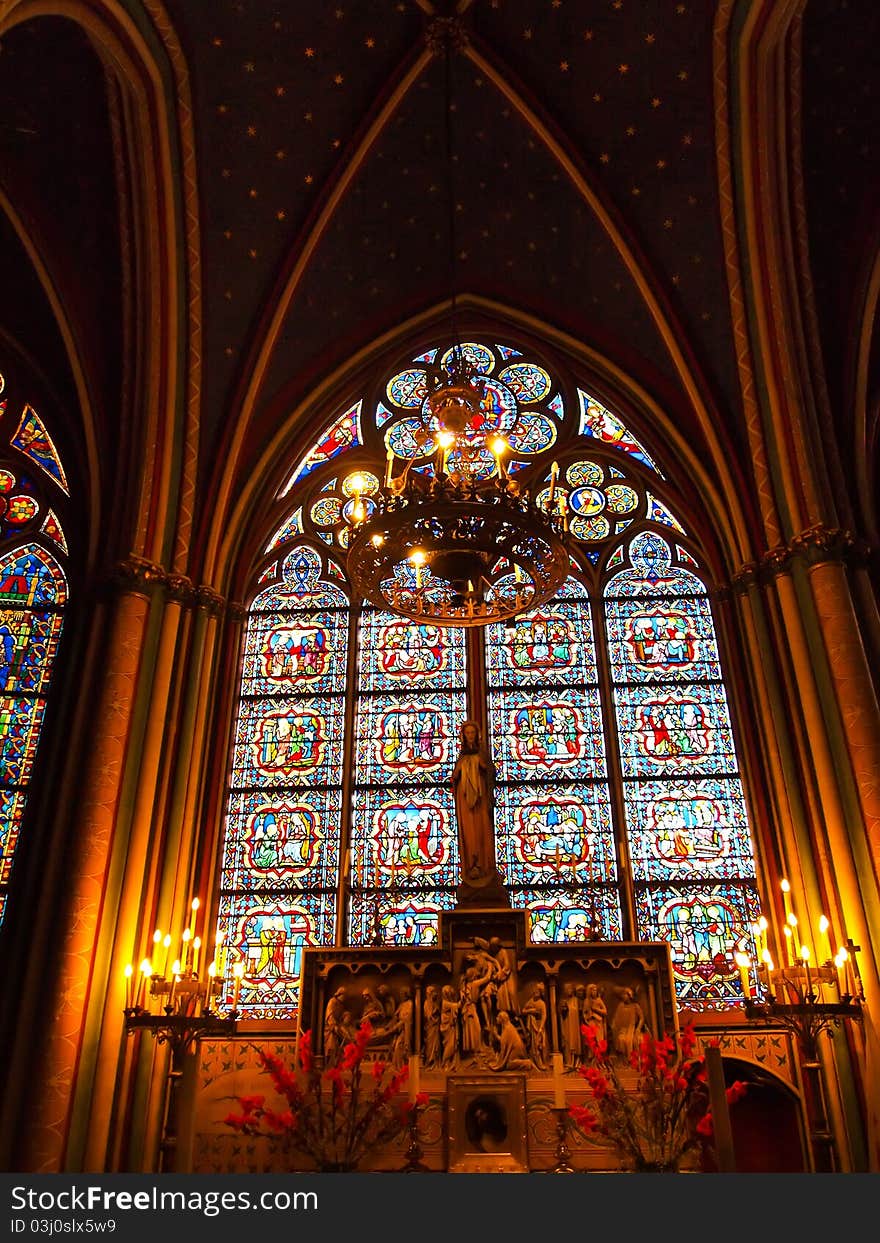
563 1152
792 998
179 1026
414 1150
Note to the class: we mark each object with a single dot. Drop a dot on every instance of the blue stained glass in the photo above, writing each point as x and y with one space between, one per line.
531 433
661 640
30 577
409 438
32 439
327 512
651 574
555 832
295 651
407 739
658 512
290 527
557 406
28 642
592 556
343 433
283 741
404 838
565 916
427 357
395 654
408 389
664 730
479 356
527 381
283 839
616 558
553 644
705 925
383 414
397 919
685 557
603 425
584 475
687 829
12 803
545 734
268 934
20 721
506 351
622 499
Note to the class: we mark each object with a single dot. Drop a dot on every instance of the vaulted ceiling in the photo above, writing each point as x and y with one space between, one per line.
584 173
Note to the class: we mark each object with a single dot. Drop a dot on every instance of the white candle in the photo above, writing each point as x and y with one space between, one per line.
743 962
414 1076
128 973
558 1083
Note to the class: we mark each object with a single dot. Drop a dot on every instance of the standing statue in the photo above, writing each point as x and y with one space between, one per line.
449 1028
474 813
627 1024
595 1011
431 1016
334 1028
570 1025
402 1030
535 1014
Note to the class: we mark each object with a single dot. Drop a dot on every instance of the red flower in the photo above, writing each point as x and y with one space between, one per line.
238 1121
688 1041
250 1103
305 1051
706 1126
583 1117
378 1070
280 1122
736 1091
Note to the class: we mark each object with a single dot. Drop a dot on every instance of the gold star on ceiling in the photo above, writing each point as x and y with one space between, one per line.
370 42
338 78
563 65
310 51
588 35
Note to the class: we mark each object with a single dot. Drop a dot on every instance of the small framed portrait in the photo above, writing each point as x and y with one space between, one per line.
487 1124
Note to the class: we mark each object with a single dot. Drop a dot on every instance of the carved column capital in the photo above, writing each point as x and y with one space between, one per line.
179 588
209 600
235 611
137 574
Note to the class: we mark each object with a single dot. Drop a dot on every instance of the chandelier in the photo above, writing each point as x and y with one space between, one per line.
457 541
449 543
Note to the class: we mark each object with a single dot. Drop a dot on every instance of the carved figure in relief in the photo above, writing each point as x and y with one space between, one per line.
570 1026
512 1053
627 1024
535 1014
403 1030
595 1012
449 1008
431 1016
334 1034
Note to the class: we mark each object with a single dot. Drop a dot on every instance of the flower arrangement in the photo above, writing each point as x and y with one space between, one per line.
335 1115
665 1117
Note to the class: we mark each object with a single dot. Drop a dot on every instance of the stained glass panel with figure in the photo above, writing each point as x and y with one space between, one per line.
280 855
410 709
553 824
693 872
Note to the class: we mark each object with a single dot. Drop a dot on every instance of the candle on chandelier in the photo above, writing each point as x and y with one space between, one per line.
554 475
789 942
237 974
187 937
166 946
197 945
129 986
823 954
840 966
558 1082
389 466
786 896
744 962
175 980
142 998
805 958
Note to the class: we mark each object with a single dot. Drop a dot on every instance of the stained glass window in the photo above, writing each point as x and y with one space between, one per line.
554 836
280 863
33 593
693 873
410 708
620 809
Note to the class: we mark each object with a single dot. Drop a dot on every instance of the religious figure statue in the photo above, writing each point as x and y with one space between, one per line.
449 1008
627 1024
502 986
473 981
512 1053
334 1032
402 1030
431 1017
595 1012
535 1014
570 1026
474 813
